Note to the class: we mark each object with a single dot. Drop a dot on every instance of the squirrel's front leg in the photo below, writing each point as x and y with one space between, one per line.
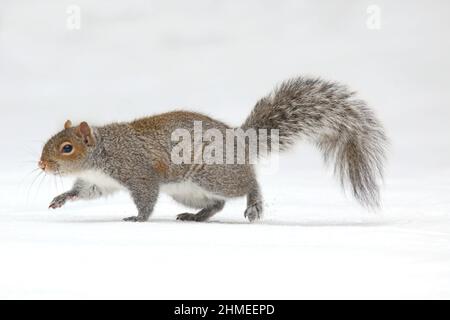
80 190
144 193
73 194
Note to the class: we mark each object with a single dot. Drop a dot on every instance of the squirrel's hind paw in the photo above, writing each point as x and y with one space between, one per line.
253 212
135 219
188 217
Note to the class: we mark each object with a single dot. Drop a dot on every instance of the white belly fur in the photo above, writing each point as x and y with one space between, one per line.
190 194
101 180
186 192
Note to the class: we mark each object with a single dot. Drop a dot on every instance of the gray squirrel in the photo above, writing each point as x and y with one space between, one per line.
136 155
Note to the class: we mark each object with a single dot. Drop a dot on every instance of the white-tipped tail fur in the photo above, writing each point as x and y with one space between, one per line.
342 126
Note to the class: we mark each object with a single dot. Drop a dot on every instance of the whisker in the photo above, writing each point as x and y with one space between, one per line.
61 179
27 175
31 152
62 183
56 183
35 178
32 183
31 172
40 184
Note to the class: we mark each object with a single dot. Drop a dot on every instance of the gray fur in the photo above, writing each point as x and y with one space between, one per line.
136 155
343 128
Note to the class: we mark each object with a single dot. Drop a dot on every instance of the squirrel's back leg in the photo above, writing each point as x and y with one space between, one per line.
254 209
203 214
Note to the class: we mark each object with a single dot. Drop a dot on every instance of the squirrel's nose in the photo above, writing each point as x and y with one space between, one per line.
42 165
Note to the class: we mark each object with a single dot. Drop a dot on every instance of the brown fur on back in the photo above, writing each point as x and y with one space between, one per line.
160 121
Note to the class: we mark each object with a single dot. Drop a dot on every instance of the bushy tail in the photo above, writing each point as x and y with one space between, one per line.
343 127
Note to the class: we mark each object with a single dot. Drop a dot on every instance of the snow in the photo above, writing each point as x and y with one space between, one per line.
218 57
308 246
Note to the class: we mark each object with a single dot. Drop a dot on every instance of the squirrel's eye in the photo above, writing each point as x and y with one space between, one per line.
67 148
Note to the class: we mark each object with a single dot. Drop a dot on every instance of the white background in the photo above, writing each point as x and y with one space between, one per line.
134 58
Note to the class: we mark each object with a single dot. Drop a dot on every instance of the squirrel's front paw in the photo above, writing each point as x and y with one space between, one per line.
254 212
60 200
135 219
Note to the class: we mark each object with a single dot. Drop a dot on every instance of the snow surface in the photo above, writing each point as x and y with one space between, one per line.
313 243
141 57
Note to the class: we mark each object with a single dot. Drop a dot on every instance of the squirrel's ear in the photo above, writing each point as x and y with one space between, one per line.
85 132
68 124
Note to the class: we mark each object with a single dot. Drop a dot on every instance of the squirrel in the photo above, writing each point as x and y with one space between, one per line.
135 156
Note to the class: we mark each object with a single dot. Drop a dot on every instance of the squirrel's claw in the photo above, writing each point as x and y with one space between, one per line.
54 206
56 203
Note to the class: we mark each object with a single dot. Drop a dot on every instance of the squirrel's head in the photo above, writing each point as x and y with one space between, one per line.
66 151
